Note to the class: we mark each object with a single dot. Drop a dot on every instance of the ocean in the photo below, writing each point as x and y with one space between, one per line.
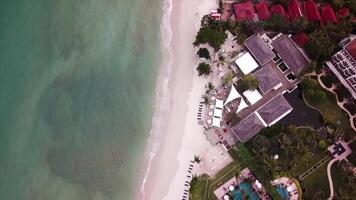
77 89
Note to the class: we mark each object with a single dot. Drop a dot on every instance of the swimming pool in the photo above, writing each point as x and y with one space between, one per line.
283 192
244 189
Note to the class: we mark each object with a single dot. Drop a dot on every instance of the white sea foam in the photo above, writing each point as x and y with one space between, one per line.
162 97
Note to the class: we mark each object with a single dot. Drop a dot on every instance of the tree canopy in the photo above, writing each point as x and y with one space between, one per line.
320 46
215 38
312 90
249 82
204 69
203 53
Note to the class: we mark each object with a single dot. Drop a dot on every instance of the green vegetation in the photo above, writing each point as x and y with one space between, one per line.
325 102
243 155
203 53
322 145
213 37
312 90
204 186
209 87
204 69
329 80
231 170
197 187
248 82
227 80
197 159
272 131
206 100
278 24
211 32
316 185
298 149
320 46
232 119
344 180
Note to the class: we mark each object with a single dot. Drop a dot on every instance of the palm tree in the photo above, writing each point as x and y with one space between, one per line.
305 154
286 145
344 194
206 100
285 142
221 60
227 80
270 163
209 87
197 159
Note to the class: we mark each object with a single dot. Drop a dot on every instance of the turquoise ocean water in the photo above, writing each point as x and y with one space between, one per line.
77 84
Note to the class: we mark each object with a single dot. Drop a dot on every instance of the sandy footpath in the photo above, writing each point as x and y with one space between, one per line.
182 137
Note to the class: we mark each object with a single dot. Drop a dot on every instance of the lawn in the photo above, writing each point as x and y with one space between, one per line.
197 189
222 176
204 186
331 112
316 183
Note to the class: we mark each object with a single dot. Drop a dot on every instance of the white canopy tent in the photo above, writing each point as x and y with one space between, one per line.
246 63
242 105
232 95
219 104
216 121
217 113
252 96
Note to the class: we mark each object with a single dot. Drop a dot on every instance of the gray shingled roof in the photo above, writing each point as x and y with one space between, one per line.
275 108
259 49
248 127
290 54
267 77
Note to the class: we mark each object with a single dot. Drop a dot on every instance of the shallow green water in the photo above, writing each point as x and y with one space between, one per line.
77 80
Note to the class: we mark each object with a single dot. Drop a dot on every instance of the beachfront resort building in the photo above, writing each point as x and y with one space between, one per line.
343 65
279 60
322 13
275 63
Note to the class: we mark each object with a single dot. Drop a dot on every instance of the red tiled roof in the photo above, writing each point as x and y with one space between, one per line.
244 11
263 11
311 10
294 9
279 10
343 12
328 14
300 39
351 48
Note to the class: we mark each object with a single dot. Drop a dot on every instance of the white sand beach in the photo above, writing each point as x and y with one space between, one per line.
181 137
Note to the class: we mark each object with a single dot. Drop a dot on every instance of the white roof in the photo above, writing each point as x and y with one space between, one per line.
242 105
217 112
246 63
216 122
252 96
219 103
232 95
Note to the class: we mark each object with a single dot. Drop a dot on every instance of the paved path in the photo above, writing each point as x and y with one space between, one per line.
340 104
330 178
314 167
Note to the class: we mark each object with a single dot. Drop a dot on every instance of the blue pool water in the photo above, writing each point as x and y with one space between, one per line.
244 188
283 192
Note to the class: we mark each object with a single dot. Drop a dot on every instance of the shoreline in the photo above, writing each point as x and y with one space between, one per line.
162 96
179 89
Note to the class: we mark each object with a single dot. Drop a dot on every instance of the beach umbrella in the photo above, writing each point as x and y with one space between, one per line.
231 188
